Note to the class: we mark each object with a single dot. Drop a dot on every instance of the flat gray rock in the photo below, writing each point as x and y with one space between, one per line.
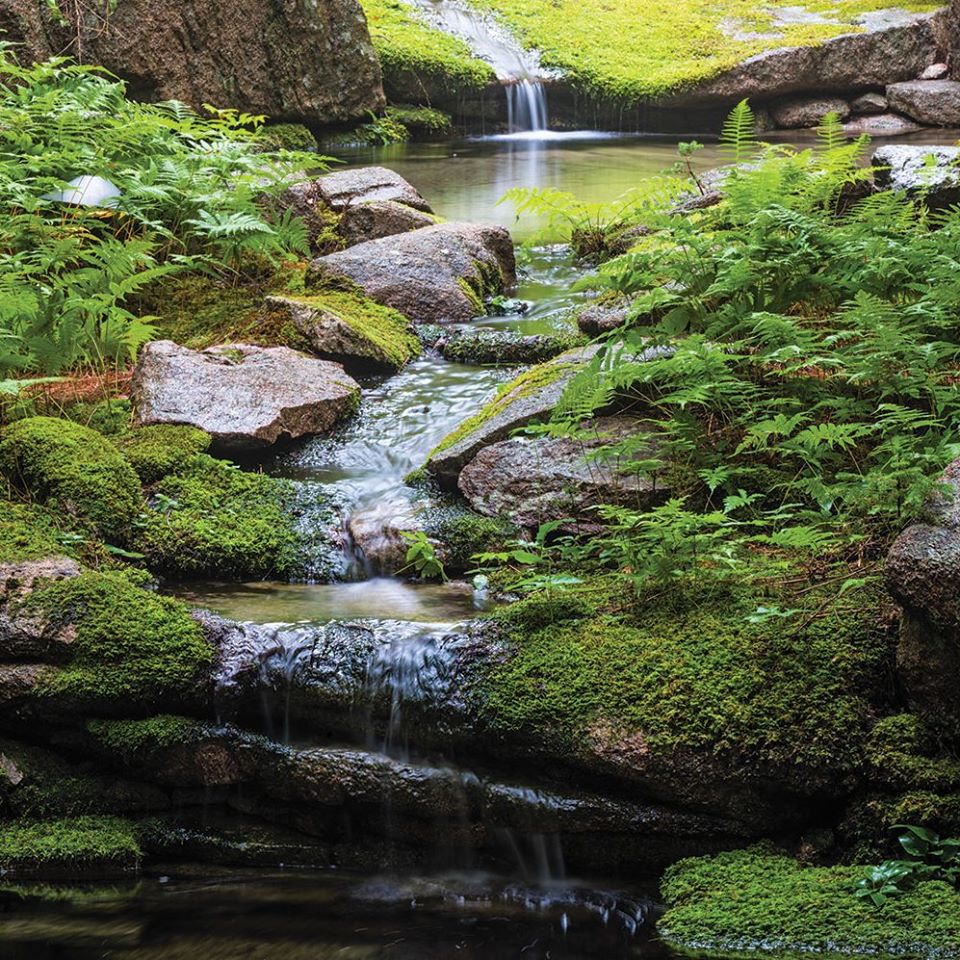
933 102
911 170
361 222
346 188
881 125
437 274
245 397
797 113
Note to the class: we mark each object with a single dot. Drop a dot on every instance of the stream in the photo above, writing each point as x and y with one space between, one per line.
532 909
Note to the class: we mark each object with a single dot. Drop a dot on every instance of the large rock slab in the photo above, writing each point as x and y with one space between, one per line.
245 397
536 480
856 61
305 60
438 274
380 218
347 188
798 112
934 102
530 397
909 169
348 327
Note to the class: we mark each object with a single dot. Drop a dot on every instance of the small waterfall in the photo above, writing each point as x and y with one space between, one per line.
526 105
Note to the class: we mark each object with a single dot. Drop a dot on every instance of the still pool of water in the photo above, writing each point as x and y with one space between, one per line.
263 915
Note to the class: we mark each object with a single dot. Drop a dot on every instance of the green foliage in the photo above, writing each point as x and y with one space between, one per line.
29 533
929 858
462 534
75 471
83 843
211 519
422 123
759 900
133 739
422 556
158 450
738 136
130 645
288 136
192 191
382 131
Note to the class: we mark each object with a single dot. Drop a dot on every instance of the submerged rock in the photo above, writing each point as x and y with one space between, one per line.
933 102
929 173
245 397
349 327
880 125
799 112
536 480
437 274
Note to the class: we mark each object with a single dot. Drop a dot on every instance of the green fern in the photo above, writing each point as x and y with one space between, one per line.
738 136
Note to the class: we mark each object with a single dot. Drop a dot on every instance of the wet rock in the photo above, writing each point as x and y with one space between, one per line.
350 329
347 188
869 103
377 534
597 318
923 575
908 168
532 396
245 397
933 102
438 274
536 480
858 61
936 71
799 112
303 200
311 62
382 218
880 125
504 347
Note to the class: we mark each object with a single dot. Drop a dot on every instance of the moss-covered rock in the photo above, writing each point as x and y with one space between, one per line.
128 645
28 533
211 519
506 347
157 451
132 739
422 123
288 136
87 846
74 470
460 534
759 901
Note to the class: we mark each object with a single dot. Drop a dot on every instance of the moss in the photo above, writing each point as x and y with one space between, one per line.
129 644
703 679
128 738
463 533
211 519
289 136
79 844
412 53
904 754
157 451
75 471
757 900
545 609
529 382
423 123
645 48
109 417
505 347
388 331
28 533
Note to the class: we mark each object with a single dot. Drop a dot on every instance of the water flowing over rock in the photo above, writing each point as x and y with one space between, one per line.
536 480
438 274
908 168
934 102
303 60
245 397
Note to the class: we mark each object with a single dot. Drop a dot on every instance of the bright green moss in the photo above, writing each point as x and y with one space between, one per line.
27 533
645 48
74 470
703 679
392 341
904 754
211 519
410 50
80 844
129 644
128 738
109 417
423 123
158 450
757 900
288 136
529 382
463 533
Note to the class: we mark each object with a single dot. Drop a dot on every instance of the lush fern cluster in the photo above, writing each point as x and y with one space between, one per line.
193 192
807 402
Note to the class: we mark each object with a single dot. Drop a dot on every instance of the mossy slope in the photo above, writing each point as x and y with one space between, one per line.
760 901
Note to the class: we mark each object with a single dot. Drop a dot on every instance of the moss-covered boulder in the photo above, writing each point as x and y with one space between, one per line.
157 451
759 901
79 847
211 519
74 470
506 347
343 324
28 532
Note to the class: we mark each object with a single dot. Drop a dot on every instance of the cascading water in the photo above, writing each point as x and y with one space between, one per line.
518 69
